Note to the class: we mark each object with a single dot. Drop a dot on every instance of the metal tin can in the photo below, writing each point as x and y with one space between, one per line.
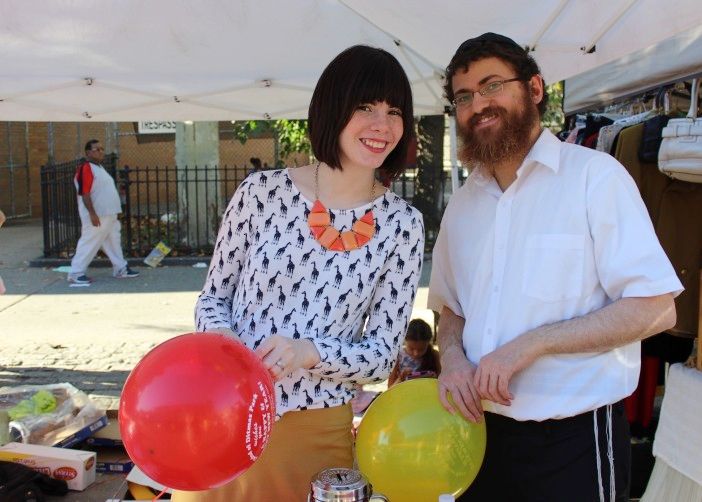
339 484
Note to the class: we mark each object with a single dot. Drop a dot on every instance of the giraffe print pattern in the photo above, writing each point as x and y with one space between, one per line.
270 276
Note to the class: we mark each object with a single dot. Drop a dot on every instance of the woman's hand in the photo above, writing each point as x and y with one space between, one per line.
282 355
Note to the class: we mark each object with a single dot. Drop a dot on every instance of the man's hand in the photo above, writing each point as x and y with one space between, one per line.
497 368
282 355
457 378
94 219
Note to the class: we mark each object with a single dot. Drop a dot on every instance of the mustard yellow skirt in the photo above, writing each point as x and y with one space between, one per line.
302 443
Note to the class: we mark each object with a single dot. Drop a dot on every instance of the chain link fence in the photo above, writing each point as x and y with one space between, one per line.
15 192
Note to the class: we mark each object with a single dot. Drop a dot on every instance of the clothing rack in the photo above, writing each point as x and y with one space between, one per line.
679 90
654 186
652 90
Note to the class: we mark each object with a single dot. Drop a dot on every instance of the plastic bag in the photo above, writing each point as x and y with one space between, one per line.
60 411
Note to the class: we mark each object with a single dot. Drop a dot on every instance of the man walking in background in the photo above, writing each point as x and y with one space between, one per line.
98 207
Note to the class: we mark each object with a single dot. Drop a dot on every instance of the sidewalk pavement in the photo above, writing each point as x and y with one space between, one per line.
92 336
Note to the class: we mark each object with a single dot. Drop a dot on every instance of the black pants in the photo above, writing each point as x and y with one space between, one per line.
553 460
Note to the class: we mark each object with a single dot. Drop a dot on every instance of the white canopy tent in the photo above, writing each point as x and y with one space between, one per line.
678 57
129 60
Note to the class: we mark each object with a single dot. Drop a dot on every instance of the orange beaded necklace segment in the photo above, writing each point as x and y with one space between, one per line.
319 221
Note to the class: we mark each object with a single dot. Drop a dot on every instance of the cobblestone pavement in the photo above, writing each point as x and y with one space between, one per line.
93 336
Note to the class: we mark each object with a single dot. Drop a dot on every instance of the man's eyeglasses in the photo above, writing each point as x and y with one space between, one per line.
98 149
465 99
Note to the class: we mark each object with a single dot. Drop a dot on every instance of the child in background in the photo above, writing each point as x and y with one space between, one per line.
418 358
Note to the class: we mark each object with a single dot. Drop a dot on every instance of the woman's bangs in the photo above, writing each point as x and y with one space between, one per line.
382 82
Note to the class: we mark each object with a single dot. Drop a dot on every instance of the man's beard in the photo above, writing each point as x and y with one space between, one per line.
485 149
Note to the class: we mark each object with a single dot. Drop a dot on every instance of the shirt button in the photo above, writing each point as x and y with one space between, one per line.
496 289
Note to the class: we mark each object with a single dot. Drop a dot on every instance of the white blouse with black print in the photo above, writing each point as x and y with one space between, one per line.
269 276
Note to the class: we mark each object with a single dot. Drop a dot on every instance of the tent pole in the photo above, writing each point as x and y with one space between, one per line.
549 22
603 31
452 153
393 37
404 52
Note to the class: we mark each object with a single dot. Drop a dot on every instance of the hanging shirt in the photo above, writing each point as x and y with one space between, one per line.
569 236
270 276
605 139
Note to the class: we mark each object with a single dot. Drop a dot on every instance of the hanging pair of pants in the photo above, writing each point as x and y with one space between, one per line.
584 458
106 236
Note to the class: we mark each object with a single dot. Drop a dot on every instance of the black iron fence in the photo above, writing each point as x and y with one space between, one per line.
180 206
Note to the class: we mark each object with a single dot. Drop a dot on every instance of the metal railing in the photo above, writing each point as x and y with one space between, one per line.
181 206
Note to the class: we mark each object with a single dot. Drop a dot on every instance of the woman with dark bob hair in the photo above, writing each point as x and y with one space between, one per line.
316 268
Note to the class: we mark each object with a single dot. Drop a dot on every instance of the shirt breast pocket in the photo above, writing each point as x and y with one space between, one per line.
553 266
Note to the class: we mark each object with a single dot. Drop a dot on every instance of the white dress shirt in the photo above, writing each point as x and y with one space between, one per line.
569 236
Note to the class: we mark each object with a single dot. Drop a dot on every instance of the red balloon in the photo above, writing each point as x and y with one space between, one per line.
197 411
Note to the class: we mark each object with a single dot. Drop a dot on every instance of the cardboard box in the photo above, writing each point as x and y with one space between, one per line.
111 459
109 435
75 467
76 436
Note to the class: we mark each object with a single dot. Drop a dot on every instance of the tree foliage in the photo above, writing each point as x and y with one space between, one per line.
291 135
554 118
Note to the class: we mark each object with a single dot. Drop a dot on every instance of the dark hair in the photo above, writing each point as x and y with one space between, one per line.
490 45
89 144
419 331
255 162
358 75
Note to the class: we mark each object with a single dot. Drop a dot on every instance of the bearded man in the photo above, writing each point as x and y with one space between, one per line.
547 274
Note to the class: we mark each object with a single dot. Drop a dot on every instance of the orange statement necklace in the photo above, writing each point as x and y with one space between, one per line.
319 221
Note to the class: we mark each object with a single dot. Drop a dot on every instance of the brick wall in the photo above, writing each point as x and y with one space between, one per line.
136 150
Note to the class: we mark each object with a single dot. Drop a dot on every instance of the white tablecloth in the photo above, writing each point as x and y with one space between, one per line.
679 436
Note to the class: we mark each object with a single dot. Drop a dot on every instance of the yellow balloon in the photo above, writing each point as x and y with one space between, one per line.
412 449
